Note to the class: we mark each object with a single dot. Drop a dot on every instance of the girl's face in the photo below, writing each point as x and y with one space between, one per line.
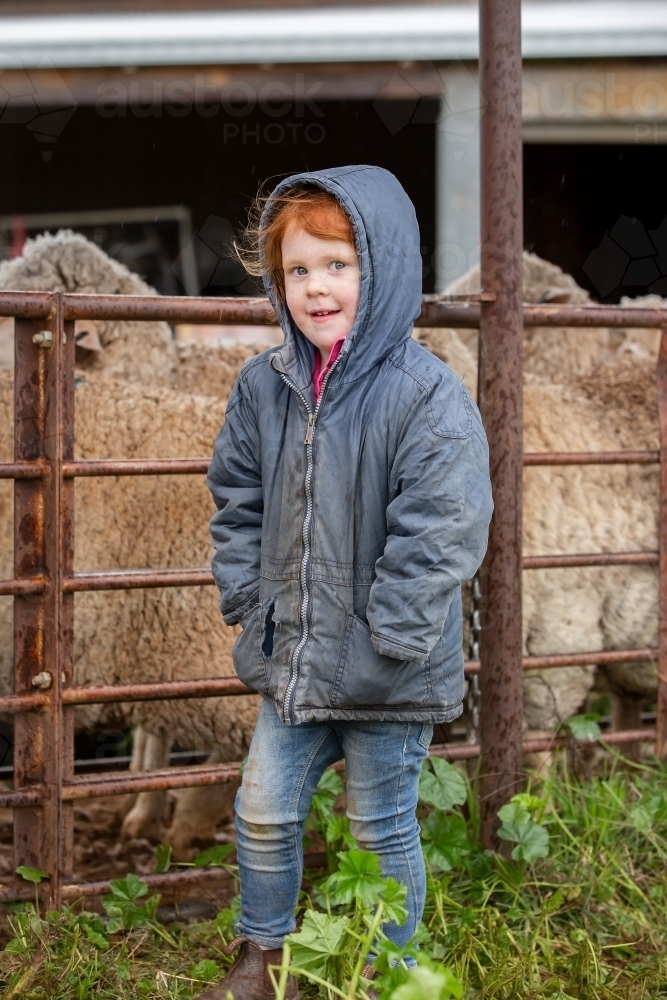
321 287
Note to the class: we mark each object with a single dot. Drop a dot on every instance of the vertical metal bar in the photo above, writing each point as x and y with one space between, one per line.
661 721
64 556
43 625
58 433
500 395
34 829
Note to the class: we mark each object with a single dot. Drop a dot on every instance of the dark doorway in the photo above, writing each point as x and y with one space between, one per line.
143 156
600 213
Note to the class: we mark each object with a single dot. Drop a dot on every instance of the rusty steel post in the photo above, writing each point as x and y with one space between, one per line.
500 395
661 717
43 624
60 545
34 842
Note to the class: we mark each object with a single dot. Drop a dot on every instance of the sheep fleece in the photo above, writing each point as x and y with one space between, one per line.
143 522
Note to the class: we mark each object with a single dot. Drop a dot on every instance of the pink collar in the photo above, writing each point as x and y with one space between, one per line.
319 373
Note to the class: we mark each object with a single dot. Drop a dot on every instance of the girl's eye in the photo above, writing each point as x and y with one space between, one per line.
300 270
338 265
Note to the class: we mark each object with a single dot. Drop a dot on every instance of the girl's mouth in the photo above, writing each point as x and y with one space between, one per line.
319 315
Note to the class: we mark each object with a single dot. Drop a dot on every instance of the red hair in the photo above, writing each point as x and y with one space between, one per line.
317 212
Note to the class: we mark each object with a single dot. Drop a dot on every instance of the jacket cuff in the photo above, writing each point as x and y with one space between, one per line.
386 646
232 616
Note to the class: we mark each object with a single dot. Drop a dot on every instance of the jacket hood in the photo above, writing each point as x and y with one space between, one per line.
387 242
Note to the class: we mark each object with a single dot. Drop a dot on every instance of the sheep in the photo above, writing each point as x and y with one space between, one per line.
548 351
144 352
568 375
68 262
181 413
595 508
148 521
131 422
571 509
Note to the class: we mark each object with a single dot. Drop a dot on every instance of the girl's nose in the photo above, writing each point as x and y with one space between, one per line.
316 285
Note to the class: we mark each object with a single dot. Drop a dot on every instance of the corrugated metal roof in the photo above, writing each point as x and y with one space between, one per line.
352 34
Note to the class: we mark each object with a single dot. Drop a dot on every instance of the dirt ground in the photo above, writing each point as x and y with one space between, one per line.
100 854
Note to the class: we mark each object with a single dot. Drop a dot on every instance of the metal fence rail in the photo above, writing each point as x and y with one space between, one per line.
44 582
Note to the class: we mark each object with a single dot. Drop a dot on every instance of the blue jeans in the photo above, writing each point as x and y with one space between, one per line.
383 762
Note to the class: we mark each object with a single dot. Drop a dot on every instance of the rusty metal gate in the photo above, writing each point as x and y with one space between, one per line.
44 470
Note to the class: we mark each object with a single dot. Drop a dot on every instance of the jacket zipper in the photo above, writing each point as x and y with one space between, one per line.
290 691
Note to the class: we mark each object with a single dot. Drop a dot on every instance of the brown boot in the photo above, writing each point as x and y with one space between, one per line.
368 972
248 978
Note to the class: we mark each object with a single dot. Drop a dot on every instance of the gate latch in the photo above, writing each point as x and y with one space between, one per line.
42 680
43 339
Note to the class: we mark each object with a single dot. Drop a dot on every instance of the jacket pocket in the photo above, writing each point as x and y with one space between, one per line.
367 679
447 673
249 663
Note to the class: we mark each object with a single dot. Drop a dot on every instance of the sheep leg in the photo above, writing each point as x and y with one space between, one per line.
198 811
149 811
123 803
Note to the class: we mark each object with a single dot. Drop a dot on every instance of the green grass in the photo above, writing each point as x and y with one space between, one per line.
579 911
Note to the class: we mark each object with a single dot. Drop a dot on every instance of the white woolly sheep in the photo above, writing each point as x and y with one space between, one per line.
149 635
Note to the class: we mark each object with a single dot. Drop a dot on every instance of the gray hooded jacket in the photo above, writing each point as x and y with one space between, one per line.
344 529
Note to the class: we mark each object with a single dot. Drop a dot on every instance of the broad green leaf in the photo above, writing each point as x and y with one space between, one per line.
86 919
163 856
533 845
214 855
124 917
442 785
445 840
514 813
224 919
319 940
15 947
321 807
390 955
123 913
584 727
114 917
429 982
338 828
532 803
128 889
330 782
555 901
206 971
324 800
358 877
393 896
96 937
34 875
531 839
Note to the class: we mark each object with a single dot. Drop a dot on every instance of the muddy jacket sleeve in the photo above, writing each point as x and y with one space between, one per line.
234 479
437 522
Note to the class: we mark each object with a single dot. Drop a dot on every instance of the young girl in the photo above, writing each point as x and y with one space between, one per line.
352 492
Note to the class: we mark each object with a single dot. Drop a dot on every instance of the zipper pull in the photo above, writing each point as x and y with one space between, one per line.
309 429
